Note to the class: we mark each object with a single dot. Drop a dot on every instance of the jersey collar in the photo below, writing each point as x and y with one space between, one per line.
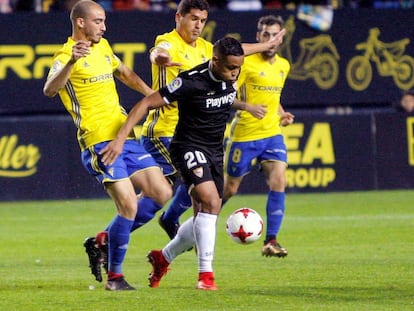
210 71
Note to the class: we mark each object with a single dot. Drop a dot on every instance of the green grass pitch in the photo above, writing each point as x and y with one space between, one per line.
347 251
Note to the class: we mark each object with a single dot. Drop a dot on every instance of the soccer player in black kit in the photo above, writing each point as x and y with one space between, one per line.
205 95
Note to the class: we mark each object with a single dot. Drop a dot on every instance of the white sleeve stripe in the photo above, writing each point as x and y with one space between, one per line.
166 100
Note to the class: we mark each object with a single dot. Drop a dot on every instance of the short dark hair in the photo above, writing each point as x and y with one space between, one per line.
228 46
269 20
185 6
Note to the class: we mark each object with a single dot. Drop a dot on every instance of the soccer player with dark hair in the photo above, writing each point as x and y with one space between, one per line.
205 96
173 52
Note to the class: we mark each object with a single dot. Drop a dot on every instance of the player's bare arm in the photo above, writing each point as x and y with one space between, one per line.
286 118
251 48
132 80
138 112
162 57
59 79
257 111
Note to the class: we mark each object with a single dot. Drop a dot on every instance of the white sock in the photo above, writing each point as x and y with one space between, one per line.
205 237
183 240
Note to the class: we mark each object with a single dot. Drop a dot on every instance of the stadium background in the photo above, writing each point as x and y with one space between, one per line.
346 137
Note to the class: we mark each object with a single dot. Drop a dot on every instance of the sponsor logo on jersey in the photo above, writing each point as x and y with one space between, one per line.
57 65
174 85
104 77
267 88
220 101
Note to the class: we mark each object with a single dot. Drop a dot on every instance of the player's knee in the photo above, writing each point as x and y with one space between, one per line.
277 184
127 206
166 194
211 205
162 193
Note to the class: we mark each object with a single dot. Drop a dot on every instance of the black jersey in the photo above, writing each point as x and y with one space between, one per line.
204 105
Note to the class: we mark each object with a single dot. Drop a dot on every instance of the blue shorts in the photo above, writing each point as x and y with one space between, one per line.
134 158
242 156
159 147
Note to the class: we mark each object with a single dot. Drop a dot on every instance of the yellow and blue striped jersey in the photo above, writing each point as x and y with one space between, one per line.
260 82
161 122
90 95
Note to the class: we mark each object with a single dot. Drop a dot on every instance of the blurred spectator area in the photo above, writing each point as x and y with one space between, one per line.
338 4
9 6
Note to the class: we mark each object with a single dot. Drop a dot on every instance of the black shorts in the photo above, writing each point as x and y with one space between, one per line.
197 165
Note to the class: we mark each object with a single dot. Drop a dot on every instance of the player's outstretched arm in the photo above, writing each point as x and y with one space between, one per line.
161 57
251 48
132 80
113 149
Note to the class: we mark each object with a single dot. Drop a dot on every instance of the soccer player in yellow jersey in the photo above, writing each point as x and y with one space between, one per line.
82 74
174 52
261 82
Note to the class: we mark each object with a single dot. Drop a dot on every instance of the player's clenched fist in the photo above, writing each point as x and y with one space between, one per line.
80 49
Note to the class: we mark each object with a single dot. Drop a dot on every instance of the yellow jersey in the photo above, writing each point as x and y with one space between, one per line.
90 95
161 122
260 83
